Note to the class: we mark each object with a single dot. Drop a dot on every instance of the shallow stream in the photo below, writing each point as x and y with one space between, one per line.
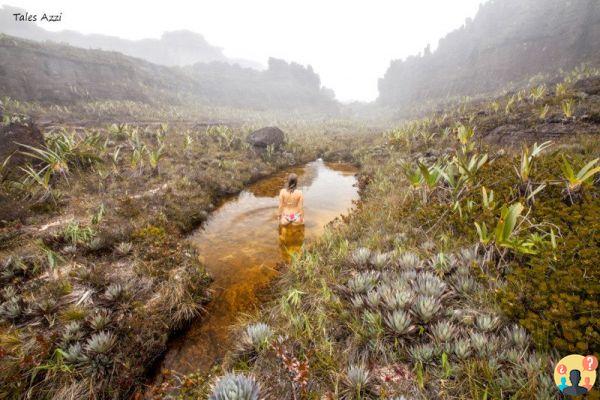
241 246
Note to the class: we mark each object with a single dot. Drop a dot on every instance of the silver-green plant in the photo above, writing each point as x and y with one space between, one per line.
428 284
399 322
357 380
259 335
235 387
363 282
462 348
426 308
443 331
517 336
100 343
409 260
360 257
99 320
422 353
72 332
486 322
74 354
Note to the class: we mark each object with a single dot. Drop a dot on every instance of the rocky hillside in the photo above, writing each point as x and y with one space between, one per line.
61 74
173 48
507 41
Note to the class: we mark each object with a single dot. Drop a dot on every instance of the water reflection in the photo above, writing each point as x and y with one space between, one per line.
291 239
241 245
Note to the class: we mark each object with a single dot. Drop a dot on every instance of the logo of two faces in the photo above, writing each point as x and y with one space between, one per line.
575 375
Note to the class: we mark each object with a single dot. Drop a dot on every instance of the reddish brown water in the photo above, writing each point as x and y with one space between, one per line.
241 245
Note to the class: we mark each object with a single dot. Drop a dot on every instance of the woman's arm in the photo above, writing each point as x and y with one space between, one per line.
280 209
301 203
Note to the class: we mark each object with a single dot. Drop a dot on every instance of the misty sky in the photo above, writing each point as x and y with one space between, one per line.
349 43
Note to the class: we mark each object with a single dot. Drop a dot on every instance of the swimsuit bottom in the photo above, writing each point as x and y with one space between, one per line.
293 217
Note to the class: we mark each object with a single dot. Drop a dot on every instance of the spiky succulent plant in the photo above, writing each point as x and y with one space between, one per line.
124 248
380 260
373 323
259 335
462 348
99 320
409 260
357 378
363 282
74 354
409 276
72 332
469 255
360 257
517 336
44 306
357 301
235 387
96 244
426 308
513 355
480 343
464 285
100 343
8 292
373 298
11 309
486 322
442 263
546 388
428 284
396 298
443 331
422 353
399 322
116 292
15 266
533 365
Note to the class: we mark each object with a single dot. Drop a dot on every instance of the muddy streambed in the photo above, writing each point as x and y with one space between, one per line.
241 244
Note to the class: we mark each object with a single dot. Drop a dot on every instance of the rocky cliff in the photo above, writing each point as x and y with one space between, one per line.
173 48
61 74
508 40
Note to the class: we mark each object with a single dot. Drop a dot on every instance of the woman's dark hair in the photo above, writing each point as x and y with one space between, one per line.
292 182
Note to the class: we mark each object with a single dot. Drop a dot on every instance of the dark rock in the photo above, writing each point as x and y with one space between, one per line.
504 133
16 132
589 86
268 136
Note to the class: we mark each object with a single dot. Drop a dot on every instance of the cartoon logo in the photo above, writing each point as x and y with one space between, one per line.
575 375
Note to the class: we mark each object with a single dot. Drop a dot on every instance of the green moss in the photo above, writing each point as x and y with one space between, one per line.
554 294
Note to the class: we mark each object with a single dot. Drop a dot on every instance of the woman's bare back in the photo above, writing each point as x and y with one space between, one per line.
291 206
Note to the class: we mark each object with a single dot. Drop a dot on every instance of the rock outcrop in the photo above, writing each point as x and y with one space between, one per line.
13 134
268 136
507 41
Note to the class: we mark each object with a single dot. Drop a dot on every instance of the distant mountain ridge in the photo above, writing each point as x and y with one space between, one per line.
508 40
52 73
176 48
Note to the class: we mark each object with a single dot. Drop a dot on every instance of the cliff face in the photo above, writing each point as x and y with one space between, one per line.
508 40
173 48
60 74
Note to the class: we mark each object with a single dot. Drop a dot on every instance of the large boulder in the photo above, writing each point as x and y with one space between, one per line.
268 136
589 86
17 132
